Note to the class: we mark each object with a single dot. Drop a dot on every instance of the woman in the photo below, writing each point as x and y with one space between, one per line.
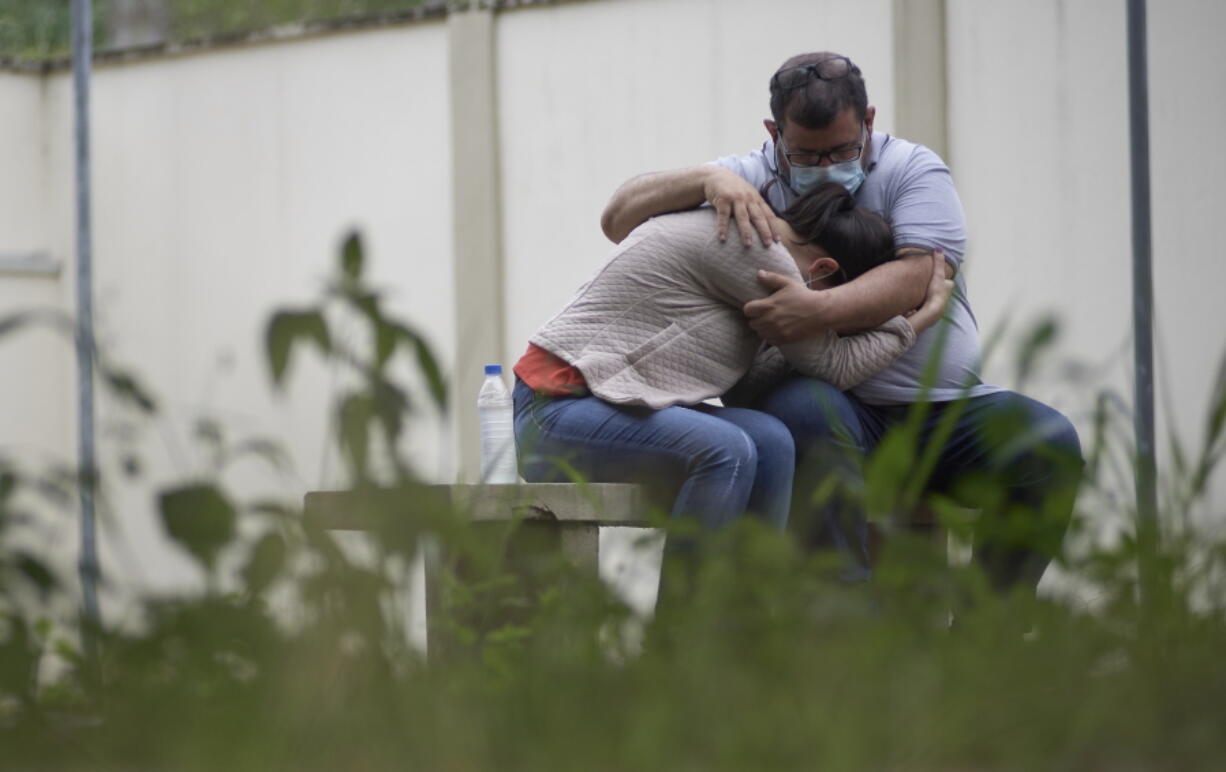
613 385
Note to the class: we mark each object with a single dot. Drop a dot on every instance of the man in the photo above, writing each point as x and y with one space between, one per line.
821 130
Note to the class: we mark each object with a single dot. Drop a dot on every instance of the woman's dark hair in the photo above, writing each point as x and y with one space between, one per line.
828 217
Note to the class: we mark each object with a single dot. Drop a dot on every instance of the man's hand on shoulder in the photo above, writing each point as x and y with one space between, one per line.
790 313
734 197
655 193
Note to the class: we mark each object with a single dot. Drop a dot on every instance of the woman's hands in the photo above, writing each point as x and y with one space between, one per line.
940 288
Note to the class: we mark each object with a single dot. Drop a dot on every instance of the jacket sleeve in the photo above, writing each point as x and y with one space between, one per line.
769 367
729 272
844 361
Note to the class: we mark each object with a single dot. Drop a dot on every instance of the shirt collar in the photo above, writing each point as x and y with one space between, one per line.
877 143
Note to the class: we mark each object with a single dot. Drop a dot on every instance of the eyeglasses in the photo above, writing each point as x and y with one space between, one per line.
814 158
827 69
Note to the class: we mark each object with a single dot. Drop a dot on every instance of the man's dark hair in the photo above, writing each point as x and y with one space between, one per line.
828 217
801 97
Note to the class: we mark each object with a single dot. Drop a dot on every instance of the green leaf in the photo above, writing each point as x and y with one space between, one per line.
277 342
285 329
18 657
36 572
1217 406
125 386
266 562
8 484
352 257
367 304
887 470
354 415
434 374
13 322
200 518
385 342
390 404
311 325
1037 340
428 364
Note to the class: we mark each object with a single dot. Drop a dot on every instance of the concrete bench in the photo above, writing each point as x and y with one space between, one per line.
568 515
565 516
575 511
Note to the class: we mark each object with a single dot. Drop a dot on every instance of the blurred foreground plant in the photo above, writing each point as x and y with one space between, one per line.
299 658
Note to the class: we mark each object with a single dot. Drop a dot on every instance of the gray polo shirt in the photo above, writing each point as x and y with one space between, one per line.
910 186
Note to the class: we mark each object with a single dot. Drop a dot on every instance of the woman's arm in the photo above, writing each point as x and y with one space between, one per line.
845 361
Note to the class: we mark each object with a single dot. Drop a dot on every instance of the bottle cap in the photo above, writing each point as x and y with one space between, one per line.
493 369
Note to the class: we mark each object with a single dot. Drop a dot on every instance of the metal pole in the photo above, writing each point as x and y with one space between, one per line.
82 58
1142 289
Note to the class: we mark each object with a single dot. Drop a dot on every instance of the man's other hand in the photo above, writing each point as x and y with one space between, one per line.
940 289
787 314
732 197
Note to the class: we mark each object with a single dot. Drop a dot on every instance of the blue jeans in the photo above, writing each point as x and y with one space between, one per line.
716 463
1016 460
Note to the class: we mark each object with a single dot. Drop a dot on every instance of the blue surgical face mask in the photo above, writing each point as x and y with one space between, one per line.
802 179
849 174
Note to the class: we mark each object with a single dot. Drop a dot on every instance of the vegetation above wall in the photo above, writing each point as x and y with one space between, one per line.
42 29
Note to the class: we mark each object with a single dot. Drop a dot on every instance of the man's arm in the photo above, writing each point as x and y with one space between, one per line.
648 195
794 312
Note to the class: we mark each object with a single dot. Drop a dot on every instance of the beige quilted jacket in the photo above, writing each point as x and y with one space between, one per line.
660 324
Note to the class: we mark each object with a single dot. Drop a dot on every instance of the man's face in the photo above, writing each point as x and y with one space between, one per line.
843 133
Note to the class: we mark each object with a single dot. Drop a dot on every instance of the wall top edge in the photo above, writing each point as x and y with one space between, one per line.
431 11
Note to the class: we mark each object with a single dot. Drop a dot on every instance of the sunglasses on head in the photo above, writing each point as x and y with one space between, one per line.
827 69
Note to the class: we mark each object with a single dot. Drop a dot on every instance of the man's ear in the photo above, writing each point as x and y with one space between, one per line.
869 114
771 129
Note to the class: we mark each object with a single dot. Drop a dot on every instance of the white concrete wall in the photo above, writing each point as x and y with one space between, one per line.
1187 84
223 184
224 180
1038 117
594 93
34 395
37 398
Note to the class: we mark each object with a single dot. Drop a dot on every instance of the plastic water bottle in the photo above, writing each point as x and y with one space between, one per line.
498 463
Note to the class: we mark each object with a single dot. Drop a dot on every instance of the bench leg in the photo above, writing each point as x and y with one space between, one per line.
432 561
581 544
